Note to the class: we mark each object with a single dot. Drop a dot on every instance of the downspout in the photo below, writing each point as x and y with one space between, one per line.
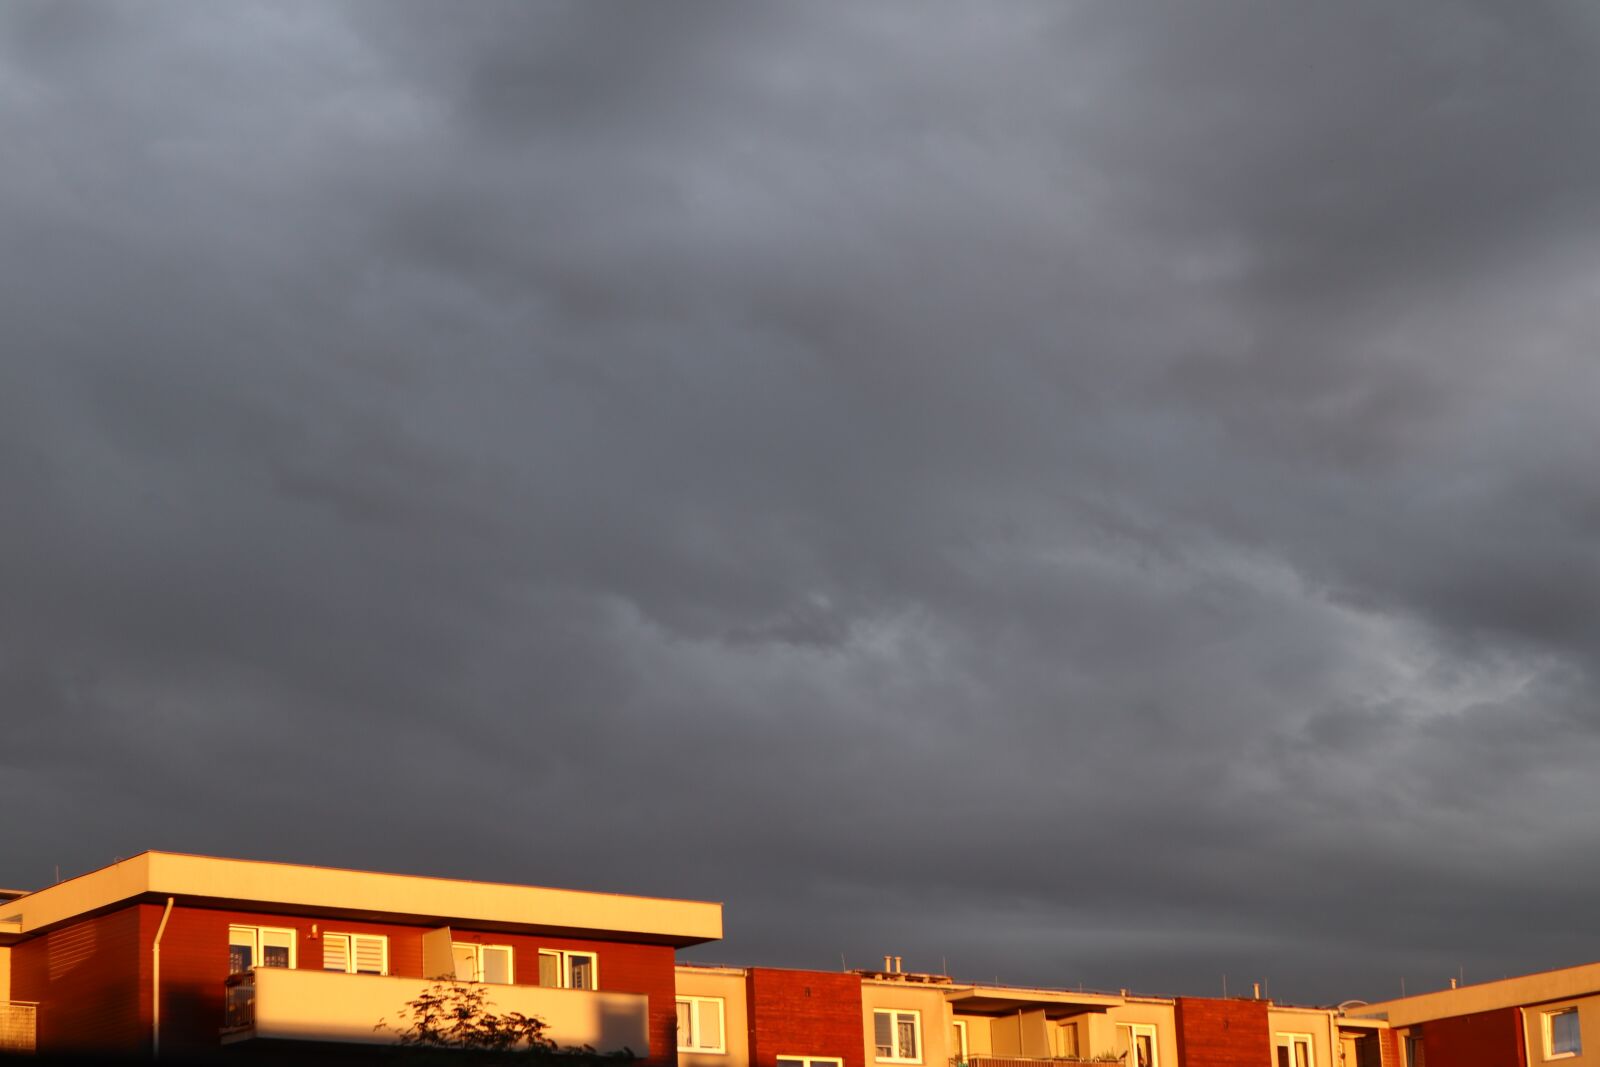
155 984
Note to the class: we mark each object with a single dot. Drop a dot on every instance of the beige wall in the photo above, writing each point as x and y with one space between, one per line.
325 1006
729 985
1311 1022
1588 1031
1106 1035
929 1000
978 1039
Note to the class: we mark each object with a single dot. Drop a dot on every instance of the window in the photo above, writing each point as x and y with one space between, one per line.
810 1061
259 946
1141 1038
568 970
1294 1050
700 1024
482 963
355 953
1414 1051
1561 1037
1067 1041
898 1035
959 1043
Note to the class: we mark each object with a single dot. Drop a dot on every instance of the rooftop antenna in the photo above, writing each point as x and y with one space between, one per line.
58 874
843 966
1224 987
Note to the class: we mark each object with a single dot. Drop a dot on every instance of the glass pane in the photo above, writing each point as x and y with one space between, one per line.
466 957
277 948
710 1035
685 1031
497 964
784 1061
1145 1047
1564 1032
883 1033
549 969
908 1037
1302 1054
335 952
241 948
582 971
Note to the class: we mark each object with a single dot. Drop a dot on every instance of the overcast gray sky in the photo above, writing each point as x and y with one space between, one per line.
1098 492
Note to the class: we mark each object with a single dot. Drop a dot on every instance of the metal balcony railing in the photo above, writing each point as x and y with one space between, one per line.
239 1002
19 1025
1043 1061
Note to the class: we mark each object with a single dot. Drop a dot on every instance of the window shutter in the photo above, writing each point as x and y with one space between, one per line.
369 954
335 952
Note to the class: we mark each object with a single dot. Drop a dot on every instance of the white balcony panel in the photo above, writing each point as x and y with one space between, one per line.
297 1005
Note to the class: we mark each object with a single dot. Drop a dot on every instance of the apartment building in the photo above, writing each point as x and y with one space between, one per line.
1528 1020
768 1017
177 955
180 956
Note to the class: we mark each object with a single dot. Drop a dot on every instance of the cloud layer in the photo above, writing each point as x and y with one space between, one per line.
1091 493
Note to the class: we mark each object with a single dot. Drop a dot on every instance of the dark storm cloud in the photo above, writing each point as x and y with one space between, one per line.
1080 493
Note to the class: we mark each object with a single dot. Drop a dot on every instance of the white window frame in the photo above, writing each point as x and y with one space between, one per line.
1546 1024
812 1061
960 1027
254 933
1290 1041
350 954
895 1015
1134 1031
477 961
690 1042
564 959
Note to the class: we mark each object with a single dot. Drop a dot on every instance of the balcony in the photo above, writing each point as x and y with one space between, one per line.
1104 1060
18 1026
285 1005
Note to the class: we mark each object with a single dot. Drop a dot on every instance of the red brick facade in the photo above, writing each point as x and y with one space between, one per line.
92 978
804 1013
92 983
1222 1033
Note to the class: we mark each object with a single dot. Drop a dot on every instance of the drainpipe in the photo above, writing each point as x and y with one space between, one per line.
155 984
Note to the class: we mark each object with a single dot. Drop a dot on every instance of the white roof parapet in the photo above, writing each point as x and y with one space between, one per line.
284 886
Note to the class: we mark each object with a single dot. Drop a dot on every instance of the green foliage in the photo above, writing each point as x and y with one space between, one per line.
459 1016
452 1017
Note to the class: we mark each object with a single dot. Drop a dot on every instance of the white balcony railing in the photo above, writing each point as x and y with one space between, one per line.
291 1005
19 1023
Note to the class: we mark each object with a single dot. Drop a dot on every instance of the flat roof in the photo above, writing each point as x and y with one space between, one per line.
998 1000
330 891
1528 989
